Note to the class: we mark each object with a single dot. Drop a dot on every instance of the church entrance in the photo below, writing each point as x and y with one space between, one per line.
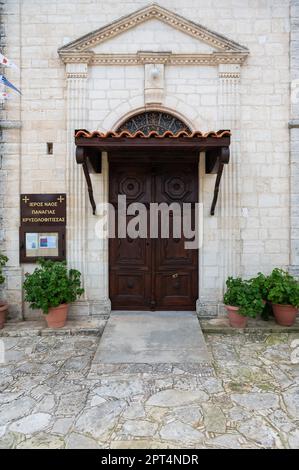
153 273
153 160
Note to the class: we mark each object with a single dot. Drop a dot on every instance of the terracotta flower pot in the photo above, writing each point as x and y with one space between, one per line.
56 318
235 319
3 312
285 315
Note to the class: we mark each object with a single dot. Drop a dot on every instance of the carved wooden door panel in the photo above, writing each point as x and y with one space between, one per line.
145 273
176 271
130 261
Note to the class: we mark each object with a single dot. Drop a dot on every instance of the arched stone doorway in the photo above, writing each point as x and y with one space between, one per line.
171 163
152 273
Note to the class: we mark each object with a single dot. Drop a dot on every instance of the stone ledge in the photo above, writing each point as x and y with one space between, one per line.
294 124
9 124
221 325
92 327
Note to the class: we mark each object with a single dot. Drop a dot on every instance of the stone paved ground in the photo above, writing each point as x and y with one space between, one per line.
49 398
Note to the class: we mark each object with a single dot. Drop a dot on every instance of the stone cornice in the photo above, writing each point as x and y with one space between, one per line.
76 58
141 58
80 50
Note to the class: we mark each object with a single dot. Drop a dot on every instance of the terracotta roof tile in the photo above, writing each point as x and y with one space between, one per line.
152 134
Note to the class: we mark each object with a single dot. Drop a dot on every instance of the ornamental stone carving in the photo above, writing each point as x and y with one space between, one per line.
226 51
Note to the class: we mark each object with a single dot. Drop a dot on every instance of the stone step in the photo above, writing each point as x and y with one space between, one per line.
221 325
82 326
149 341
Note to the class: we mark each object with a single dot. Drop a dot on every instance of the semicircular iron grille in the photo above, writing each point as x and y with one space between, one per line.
154 121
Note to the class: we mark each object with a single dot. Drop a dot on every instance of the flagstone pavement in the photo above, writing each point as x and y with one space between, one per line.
50 398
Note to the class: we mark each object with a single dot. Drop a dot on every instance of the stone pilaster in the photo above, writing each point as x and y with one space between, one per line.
76 192
10 174
103 305
228 207
294 139
229 204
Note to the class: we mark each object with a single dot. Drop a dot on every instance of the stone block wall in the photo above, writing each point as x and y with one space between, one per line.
251 229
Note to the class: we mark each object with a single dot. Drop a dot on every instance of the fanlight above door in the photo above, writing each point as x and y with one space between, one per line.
154 121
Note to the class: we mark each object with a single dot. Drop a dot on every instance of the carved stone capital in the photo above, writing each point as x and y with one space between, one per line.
77 70
228 71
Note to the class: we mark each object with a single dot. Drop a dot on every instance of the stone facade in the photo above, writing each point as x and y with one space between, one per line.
248 93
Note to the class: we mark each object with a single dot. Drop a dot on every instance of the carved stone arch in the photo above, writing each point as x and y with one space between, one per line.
153 120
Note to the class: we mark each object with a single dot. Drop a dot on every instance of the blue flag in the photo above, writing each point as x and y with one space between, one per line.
5 82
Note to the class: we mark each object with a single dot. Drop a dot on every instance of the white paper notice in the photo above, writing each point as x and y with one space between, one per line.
52 241
31 241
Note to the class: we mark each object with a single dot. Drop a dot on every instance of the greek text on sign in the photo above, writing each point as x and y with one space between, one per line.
43 209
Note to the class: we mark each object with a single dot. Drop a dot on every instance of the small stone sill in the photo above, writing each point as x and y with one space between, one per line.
9 124
221 325
81 326
294 124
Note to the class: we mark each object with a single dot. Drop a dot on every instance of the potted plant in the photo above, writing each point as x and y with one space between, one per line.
3 305
283 292
242 300
52 287
262 283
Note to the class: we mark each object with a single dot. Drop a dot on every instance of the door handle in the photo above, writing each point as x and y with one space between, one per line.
175 276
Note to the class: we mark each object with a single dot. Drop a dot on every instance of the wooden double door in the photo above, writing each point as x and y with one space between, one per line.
153 273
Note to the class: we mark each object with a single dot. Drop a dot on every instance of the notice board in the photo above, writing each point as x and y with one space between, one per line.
43 225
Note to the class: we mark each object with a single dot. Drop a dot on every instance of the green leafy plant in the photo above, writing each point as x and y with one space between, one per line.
261 282
283 288
52 284
245 295
3 261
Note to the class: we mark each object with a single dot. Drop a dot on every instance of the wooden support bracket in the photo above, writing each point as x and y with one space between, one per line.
89 164
215 161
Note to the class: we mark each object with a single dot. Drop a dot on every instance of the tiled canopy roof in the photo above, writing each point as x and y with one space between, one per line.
152 134
90 144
